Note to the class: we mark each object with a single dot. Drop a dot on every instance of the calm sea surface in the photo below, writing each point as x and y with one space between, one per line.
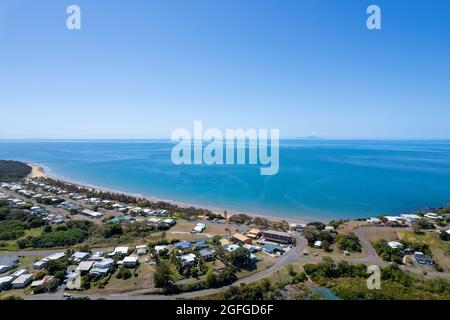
318 179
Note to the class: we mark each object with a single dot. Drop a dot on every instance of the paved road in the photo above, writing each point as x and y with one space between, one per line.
26 253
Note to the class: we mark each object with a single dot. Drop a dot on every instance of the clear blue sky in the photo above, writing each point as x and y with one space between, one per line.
140 69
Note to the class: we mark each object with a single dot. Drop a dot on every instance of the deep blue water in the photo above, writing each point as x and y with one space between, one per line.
318 179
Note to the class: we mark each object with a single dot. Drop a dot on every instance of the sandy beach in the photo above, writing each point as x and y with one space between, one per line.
38 171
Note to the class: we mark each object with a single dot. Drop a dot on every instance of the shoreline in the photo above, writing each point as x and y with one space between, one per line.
39 171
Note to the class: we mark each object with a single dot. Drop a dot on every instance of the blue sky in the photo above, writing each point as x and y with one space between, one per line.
140 69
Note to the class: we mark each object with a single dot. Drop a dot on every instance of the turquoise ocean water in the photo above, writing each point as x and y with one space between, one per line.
318 179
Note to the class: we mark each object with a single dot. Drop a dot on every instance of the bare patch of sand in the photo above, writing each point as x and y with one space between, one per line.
36 171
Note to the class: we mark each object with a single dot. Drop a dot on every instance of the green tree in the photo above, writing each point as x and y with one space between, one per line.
164 275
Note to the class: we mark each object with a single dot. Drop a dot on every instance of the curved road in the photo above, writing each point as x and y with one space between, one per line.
294 255
146 294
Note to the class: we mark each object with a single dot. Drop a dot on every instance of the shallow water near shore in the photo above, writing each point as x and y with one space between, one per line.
318 179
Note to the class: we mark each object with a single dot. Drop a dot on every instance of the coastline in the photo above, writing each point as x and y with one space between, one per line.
39 171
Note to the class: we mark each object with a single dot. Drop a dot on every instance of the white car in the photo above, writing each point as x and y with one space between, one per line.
67 295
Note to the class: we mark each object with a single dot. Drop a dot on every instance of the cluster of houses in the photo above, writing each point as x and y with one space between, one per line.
407 218
22 278
46 215
98 202
416 256
271 242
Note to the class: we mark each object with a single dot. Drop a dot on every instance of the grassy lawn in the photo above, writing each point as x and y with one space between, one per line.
11 245
335 254
266 262
142 280
28 261
440 248
182 231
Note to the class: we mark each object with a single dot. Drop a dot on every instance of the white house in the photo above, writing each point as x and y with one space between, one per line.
119 251
39 264
18 273
158 249
432 216
329 228
23 281
393 218
188 259
141 250
80 256
395 245
170 222
130 262
91 214
55 256
318 244
374 220
199 228
104 264
4 281
410 217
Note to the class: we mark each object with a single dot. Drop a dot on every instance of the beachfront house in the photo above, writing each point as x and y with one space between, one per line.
277 236
241 239
253 234
296 226
410 217
393 219
374 220
432 216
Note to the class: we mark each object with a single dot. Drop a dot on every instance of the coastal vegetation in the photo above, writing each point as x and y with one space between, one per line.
13 170
349 282
15 222
396 255
348 242
184 212
63 235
